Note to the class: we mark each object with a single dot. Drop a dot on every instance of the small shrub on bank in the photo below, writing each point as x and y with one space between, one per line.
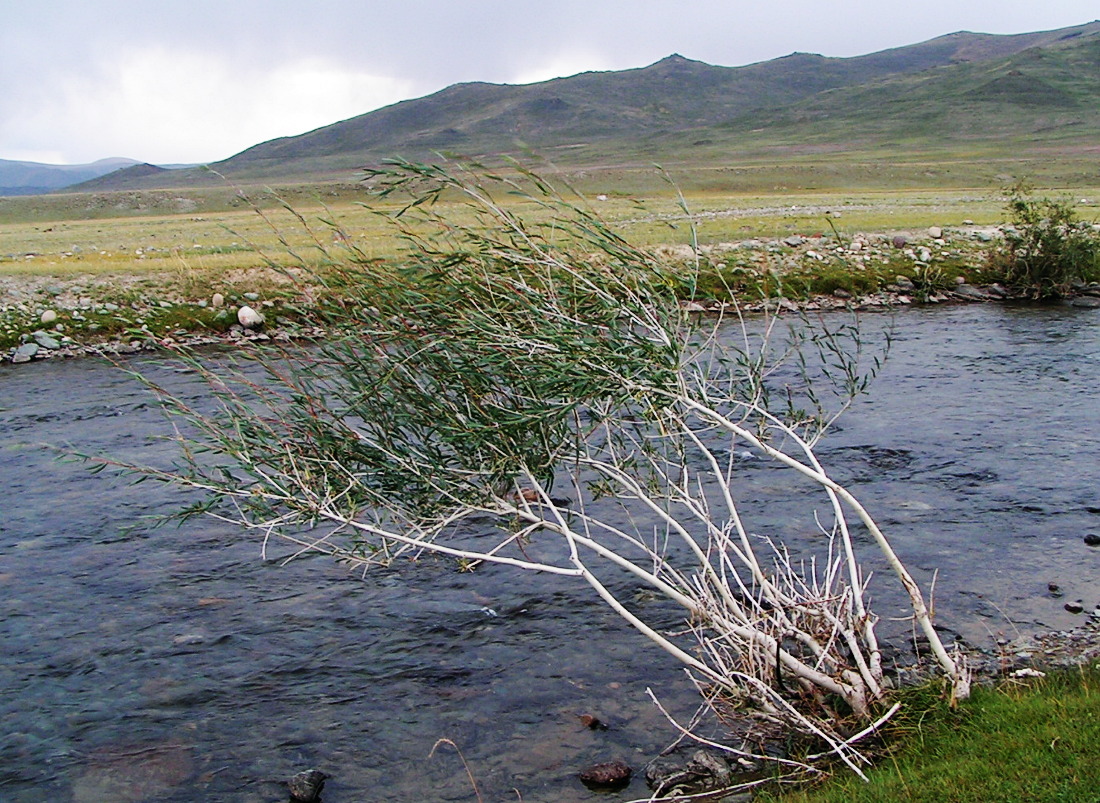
1046 247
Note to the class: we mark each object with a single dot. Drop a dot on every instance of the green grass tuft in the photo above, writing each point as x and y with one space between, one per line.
1033 743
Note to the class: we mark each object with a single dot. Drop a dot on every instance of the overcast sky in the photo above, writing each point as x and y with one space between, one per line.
168 81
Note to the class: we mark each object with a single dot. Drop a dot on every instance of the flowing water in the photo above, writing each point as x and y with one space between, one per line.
174 664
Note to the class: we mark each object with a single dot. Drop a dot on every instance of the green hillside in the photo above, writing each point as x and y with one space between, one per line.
964 95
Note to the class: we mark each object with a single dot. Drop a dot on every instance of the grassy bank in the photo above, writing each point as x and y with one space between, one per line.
1033 742
106 265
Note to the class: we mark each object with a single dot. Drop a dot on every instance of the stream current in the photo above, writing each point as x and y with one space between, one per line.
174 664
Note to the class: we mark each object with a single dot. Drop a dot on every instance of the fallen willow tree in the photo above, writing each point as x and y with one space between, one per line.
530 392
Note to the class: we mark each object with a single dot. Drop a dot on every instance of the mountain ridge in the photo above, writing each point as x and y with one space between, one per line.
32 178
664 107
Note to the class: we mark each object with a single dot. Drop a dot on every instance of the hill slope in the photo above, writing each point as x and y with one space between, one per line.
982 87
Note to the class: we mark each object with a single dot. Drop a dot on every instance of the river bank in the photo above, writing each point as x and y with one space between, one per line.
67 315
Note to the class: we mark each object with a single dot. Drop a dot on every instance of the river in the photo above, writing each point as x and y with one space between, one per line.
174 664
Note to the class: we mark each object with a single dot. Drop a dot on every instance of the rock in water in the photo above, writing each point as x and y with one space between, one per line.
1092 539
249 318
306 787
610 775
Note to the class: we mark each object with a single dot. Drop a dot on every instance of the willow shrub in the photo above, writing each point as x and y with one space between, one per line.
504 357
1046 247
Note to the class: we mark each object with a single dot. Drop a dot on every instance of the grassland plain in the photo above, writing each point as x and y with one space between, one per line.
118 267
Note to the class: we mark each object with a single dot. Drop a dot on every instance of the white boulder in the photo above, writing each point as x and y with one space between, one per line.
249 318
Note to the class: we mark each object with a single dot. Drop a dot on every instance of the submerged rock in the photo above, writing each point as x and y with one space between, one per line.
305 787
609 775
689 773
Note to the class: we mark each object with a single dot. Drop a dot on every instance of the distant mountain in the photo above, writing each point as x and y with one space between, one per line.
32 178
134 174
982 89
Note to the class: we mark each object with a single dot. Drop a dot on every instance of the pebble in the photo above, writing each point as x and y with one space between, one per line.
49 316
218 300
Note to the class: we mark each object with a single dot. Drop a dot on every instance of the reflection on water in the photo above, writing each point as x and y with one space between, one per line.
174 664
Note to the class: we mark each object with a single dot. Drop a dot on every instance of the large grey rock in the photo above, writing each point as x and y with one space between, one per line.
25 353
970 291
46 341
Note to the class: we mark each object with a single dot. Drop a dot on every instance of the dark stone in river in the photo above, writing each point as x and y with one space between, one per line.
691 772
609 775
1092 539
1074 607
305 787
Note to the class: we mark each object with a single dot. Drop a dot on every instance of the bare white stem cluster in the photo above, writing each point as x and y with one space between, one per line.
530 365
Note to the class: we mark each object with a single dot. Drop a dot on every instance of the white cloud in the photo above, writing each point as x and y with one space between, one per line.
560 66
172 106
199 80
42 157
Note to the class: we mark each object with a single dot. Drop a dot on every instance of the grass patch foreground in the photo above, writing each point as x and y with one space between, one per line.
1033 742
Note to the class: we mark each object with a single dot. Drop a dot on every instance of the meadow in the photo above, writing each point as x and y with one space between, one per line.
126 264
